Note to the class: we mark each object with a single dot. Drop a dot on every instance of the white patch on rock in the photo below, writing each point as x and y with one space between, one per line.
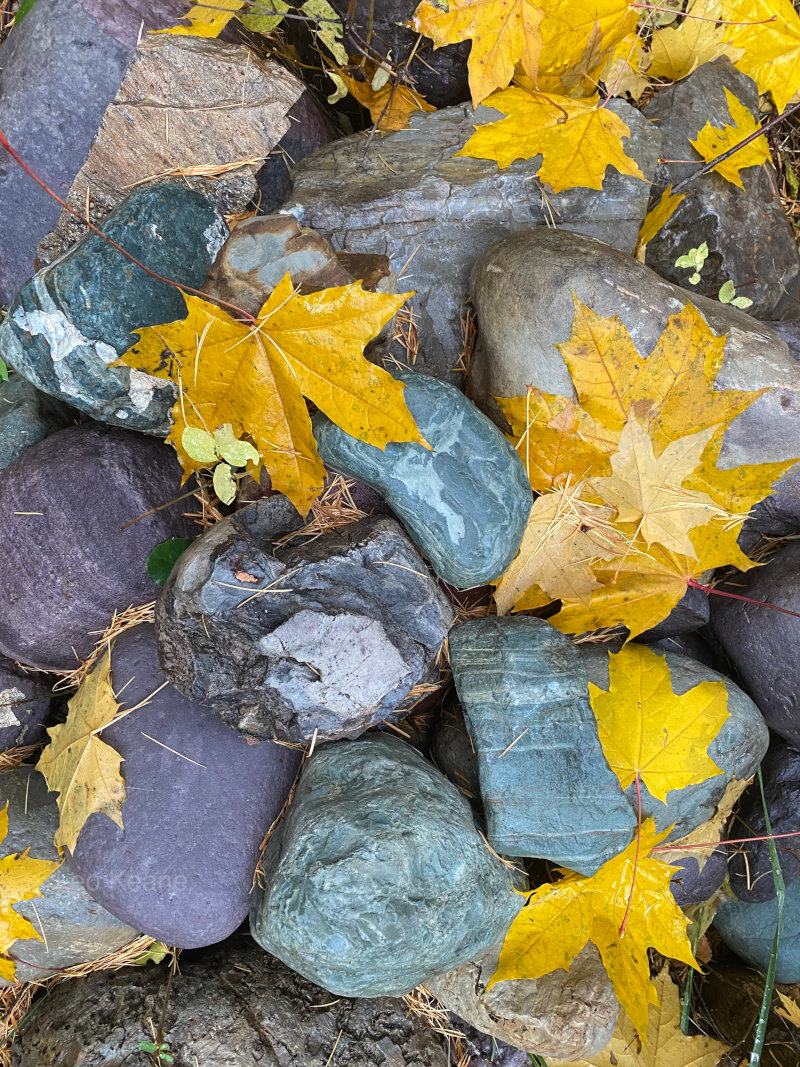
141 389
215 236
7 716
61 335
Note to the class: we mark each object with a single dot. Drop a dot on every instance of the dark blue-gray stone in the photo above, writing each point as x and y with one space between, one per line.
26 416
546 786
24 705
73 319
76 928
691 885
737 749
199 801
377 878
465 501
749 930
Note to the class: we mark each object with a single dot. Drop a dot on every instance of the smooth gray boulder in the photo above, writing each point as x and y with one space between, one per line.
72 552
749 929
764 645
26 417
409 197
749 237
75 927
232 1006
566 1015
522 291
546 787
199 800
377 878
737 749
465 501
323 640
71 321
24 706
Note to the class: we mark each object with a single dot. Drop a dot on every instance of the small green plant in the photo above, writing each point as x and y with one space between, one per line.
695 260
221 450
727 295
160 1052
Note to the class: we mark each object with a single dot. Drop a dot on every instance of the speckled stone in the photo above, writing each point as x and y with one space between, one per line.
749 930
465 501
377 877
551 795
352 622
24 706
76 928
567 1014
199 801
26 417
73 319
72 554
737 749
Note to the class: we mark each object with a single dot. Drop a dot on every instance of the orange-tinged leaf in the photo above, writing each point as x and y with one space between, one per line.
391 106
667 1045
577 139
648 730
503 34
655 219
207 19
560 918
20 879
82 769
254 378
712 141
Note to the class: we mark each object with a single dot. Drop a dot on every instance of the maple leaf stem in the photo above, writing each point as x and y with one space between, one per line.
742 144
4 143
738 596
636 857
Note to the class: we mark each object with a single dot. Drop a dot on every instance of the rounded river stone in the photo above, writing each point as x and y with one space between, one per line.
71 321
749 929
26 416
76 928
465 501
72 554
24 706
377 877
199 801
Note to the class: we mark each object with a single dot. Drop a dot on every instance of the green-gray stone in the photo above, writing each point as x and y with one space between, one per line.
465 501
750 928
377 878
26 417
546 786
73 319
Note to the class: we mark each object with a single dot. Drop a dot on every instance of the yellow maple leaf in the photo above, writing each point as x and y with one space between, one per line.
630 893
579 41
82 769
207 19
254 378
390 106
577 139
655 219
649 731
20 879
790 1009
712 141
676 51
503 34
667 1045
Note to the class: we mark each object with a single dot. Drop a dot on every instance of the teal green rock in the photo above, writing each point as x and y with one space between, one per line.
27 416
376 878
749 930
465 501
70 322
546 786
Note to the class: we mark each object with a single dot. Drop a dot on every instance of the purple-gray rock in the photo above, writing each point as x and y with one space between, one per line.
58 70
199 801
232 1006
377 878
690 613
27 416
433 215
70 558
76 928
691 885
749 864
309 129
325 639
764 645
24 706
749 238
691 645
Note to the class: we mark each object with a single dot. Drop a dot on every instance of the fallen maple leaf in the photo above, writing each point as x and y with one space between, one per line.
390 106
790 1009
649 731
667 1045
82 769
655 219
503 34
580 41
712 141
255 377
630 891
577 139
207 19
20 879
676 51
